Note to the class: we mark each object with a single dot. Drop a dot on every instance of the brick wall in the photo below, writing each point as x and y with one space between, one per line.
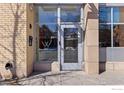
13 37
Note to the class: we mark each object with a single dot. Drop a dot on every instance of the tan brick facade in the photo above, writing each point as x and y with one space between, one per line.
13 37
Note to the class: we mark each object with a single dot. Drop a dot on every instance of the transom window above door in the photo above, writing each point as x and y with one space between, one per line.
67 13
47 14
70 13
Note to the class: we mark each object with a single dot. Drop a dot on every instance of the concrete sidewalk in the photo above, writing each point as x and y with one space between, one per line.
71 78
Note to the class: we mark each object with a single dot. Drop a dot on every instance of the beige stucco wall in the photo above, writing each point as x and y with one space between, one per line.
91 40
13 37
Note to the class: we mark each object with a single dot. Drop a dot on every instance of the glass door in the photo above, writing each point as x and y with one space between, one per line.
71 47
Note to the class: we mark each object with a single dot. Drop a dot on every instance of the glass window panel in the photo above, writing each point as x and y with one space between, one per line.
70 45
47 19
105 15
48 36
104 35
70 13
118 35
118 15
48 43
47 14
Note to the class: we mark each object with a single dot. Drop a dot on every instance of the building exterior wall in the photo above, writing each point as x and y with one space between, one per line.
13 39
17 23
91 39
31 54
112 57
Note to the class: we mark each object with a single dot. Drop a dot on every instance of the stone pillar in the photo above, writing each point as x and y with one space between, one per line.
91 39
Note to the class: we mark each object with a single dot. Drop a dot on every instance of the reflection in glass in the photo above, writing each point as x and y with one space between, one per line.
48 43
47 15
104 35
70 14
47 18
105 15
48 37
118 35
71 45
118 14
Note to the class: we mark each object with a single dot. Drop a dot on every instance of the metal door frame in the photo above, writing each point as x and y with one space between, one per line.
72 66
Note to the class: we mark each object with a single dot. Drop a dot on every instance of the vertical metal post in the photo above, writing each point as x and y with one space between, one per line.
82 30
59 30
111 27
82 17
